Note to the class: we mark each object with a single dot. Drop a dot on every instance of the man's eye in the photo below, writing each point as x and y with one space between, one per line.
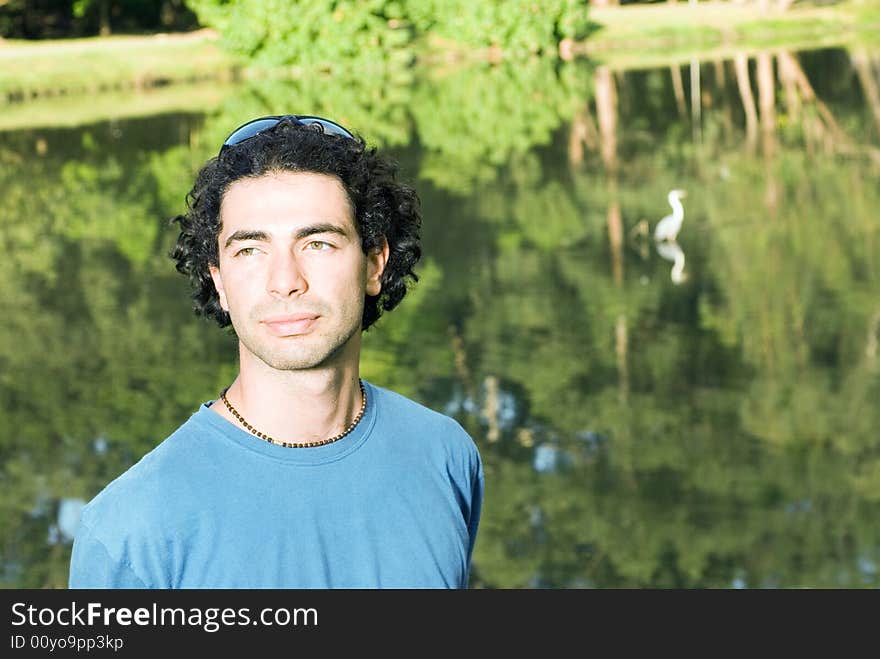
321 245
246 251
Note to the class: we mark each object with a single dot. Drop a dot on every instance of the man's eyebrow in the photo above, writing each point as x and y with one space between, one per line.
323 227
242 234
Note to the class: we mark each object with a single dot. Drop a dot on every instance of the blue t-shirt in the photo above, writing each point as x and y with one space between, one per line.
393 504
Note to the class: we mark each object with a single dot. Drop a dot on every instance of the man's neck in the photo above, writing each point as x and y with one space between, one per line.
295 406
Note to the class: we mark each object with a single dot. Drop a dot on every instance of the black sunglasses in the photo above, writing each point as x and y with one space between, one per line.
257 126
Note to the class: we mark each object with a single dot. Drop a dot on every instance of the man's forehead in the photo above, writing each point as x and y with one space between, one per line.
288 201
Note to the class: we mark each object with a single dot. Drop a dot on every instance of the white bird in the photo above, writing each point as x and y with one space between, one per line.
669 226
671 251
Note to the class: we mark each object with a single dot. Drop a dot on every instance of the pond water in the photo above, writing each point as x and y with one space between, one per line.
699 414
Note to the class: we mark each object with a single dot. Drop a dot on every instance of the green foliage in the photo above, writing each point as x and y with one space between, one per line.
375 107
517 27
322 33
339 33
405 348
472 120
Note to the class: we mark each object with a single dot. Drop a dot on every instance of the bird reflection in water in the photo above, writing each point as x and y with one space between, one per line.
671 251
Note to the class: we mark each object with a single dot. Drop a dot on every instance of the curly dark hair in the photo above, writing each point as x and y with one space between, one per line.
382 205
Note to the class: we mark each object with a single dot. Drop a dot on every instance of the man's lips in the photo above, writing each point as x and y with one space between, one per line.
292 324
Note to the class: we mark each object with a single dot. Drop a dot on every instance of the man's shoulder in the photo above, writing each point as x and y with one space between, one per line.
415 417
140 492
408 409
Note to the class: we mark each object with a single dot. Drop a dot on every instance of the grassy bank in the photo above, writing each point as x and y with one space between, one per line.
30 70
634 36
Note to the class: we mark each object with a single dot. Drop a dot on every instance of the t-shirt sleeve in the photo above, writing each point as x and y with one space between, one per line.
92 566
476 508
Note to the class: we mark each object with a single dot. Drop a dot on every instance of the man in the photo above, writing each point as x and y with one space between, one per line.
301 475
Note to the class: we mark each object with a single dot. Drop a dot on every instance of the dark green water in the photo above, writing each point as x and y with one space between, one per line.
715 429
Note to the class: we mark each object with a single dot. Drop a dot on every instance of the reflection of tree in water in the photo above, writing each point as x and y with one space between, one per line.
466 121
96 366
733 458
634 433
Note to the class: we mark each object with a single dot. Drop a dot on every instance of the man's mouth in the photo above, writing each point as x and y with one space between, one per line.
291 324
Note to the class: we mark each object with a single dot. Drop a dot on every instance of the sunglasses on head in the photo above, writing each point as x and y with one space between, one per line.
257 126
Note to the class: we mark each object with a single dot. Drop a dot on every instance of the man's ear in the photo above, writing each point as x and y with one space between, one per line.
377 259
218 284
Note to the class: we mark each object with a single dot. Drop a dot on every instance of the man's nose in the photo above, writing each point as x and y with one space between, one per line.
286 276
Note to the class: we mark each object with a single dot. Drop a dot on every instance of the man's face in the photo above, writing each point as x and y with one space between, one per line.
291 273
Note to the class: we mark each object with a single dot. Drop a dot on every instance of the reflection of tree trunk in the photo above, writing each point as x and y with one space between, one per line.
491 407
767 106
620 348
583 133
807 94
741 65
696 100
766 94
824 128
726 116
615 238
862 65
789 85
459 356
678 90
606 109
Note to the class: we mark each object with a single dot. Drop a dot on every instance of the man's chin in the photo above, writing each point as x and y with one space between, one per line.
295 363
299 360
